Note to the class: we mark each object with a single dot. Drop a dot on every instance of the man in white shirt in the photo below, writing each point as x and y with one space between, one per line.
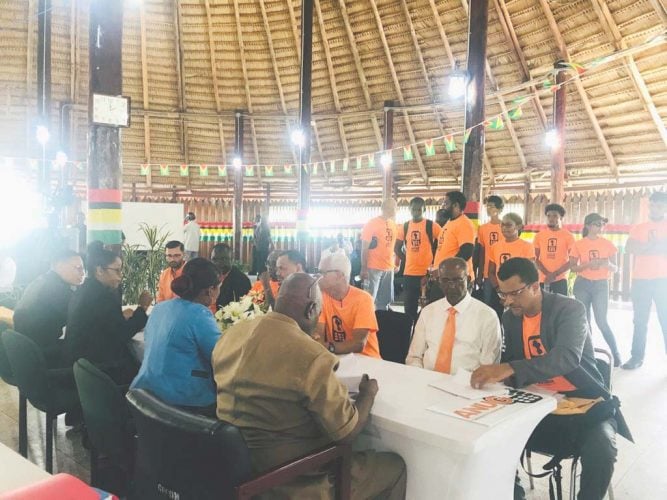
456 331
191 236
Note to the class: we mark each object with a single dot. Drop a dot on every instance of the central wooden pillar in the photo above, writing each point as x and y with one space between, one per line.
44 87
387 169
558 149
303 204
238 184
105 176
473 151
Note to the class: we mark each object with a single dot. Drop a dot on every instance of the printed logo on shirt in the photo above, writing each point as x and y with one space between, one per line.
415 240
493 238
552 245
535 346
388 235
504 257
593 254
337 331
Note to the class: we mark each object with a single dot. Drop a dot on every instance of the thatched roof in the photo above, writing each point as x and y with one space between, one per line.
187 65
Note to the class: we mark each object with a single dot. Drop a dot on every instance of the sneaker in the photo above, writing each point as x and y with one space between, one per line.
633 364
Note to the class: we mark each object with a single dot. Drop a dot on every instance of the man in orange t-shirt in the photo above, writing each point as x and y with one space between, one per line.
347 322
378 238
175 253
487 236
414 246
457 238
267 282
552 250
648 243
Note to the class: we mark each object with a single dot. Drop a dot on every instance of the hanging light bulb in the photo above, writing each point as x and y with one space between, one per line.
386 159
236 162
61 158
42 135
552 139
457 83
298 138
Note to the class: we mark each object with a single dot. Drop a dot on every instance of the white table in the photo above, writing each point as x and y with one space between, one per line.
447 458
16 471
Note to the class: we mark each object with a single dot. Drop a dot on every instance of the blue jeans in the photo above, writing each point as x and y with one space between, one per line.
644 292
595 294
381 288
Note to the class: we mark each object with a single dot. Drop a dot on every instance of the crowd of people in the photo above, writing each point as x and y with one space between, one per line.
484 300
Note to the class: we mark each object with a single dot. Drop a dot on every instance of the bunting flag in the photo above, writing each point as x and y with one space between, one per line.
346 164
316 166
332 167
371 160
164 169
288 169
203 170
497 123
407 153
429 147
450 143
145 168
184 170
358 162
579 68
249 171
520 100
222 170
268 170
466 135
79 165
515 113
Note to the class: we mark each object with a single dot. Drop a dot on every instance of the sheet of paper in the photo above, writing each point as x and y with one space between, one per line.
349 373
459 385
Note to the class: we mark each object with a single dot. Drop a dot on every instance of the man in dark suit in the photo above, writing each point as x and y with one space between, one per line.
235 284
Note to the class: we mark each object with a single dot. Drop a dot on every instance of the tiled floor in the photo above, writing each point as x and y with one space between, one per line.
639 471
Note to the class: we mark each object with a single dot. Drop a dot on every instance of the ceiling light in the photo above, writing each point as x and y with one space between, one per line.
385 160
298 138
42 135
552 139
237 162
457 83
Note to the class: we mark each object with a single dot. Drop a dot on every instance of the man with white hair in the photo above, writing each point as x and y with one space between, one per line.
347 322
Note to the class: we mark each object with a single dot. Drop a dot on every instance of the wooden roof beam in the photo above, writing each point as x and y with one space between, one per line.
562 48
660 10
214 77
612 31
246 84
397 87
144 89
319 149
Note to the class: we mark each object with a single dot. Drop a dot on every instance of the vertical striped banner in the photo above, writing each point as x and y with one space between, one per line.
104 215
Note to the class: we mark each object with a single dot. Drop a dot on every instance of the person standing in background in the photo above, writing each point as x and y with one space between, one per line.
378 238
261 245
552 251
487 236
512 246
191 236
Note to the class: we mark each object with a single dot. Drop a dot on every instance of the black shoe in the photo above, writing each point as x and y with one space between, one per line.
633 364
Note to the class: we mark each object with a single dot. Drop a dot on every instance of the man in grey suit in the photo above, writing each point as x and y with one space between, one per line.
547 342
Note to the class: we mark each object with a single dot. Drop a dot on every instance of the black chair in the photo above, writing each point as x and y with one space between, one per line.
394 333
604 362
51 391
191 457
109 426
7 375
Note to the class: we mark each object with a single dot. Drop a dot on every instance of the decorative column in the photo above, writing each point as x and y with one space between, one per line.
558 148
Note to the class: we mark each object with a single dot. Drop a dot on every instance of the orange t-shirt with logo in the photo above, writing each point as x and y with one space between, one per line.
384 231
418 249
533 348
504 250
164 285
488 235
453 236
554 249
341 317
587 249
648 267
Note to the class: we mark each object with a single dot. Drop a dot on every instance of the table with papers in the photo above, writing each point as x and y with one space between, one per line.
464 456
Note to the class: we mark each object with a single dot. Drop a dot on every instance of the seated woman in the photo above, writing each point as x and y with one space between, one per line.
180 336
97 328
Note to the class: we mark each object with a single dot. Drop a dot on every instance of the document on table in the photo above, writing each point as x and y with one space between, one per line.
349 373
459 385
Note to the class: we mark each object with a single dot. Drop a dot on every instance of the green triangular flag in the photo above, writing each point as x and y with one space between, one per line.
450 143
429 147
520 100
497 123
268 171
249 171
346 164
333 166
145 168
371 160
515 113
407 153
466 136
164 169
288 169
203 170
184 170
316 166
222 171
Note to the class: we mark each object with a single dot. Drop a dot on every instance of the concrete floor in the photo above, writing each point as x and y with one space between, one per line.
639 472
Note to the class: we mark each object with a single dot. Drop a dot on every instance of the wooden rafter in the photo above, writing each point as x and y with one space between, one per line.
319 150
360 71
510 35
276 73
612 31
397 88
295 29
562 47
246 84
660 10
144 91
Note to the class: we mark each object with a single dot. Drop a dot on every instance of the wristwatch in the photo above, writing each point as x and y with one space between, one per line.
332 347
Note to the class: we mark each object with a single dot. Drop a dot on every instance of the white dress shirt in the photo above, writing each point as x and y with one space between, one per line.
477 340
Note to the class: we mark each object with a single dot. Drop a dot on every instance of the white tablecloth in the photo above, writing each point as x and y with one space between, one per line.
16 471
447 458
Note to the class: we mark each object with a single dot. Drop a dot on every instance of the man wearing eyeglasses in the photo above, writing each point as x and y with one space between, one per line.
456 331
279 388
547 342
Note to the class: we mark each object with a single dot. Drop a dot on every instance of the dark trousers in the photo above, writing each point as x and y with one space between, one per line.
411 293
491 298
597 454
644 292
259 257
595 294
559 287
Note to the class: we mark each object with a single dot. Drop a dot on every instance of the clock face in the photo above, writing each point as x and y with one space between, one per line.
111 110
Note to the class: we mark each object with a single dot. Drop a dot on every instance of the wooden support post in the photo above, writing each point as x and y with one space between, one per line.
473 153
558 150
304 121
105 195
526 203
267 201
388 138
238 185
44 86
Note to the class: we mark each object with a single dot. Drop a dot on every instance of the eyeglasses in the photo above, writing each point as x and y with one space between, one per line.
514 293
117 270
322 273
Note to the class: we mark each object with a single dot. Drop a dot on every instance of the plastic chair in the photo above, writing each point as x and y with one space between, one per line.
7 375
108 424
394 333
50 391
188 456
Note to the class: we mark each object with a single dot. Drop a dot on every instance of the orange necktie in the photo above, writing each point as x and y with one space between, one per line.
444 361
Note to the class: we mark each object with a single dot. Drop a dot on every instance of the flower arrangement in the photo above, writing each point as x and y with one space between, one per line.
250 306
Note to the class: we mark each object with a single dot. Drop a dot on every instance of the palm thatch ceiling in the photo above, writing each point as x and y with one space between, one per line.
188 64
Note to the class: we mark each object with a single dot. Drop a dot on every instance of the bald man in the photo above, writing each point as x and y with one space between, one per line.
278 386
378 238
456 331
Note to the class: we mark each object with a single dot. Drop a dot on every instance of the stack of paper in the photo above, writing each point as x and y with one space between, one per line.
459 385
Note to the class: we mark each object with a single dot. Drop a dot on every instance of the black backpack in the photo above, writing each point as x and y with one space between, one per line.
429 233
